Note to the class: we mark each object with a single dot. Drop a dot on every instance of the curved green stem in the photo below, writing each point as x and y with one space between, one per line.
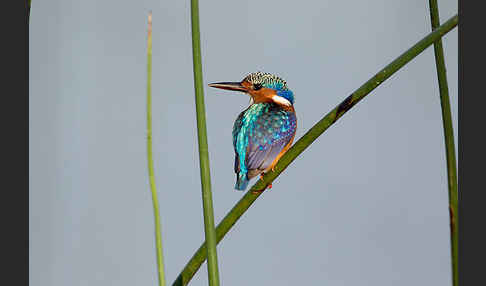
209 230
158 235
449 141
247 200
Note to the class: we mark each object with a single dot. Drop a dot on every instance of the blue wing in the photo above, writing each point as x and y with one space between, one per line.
259 134
272 131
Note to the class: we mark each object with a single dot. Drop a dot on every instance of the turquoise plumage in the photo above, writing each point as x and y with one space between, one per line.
264 131
259 135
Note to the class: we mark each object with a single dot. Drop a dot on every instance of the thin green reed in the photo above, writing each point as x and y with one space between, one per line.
210 232
249 198
449 141
28 10
150 161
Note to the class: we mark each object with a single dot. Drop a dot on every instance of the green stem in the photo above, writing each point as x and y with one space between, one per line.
247 200
209 230
28 10
158 235
448 139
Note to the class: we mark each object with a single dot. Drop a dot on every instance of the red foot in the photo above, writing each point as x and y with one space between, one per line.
269 186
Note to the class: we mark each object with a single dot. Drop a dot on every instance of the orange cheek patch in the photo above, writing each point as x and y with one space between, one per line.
263 95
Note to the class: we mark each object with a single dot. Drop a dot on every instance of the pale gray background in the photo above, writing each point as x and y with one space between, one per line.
366 204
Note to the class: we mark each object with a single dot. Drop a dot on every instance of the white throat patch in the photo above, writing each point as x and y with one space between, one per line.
281 100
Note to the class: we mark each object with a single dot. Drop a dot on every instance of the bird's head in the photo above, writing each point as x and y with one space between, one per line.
262 87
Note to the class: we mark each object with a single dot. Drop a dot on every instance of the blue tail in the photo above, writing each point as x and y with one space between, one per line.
241 181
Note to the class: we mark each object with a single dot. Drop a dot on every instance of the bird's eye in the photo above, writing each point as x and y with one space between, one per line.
257 86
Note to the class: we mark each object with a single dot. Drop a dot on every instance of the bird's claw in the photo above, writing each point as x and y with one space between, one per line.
256 192
269 186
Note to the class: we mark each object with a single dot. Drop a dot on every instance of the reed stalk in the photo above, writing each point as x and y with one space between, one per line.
150 161
28 10
448 140
250 196
209 229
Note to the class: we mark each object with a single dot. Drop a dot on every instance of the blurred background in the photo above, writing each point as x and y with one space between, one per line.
366 204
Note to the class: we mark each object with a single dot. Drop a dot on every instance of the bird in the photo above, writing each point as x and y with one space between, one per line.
265 130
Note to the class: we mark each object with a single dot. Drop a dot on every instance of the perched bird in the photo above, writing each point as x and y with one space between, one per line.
264 131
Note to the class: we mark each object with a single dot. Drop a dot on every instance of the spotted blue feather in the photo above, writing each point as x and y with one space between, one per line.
259 135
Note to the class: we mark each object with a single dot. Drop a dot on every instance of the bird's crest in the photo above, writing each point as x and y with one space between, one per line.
267 80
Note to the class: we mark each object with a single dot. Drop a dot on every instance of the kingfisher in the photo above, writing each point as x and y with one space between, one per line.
265 130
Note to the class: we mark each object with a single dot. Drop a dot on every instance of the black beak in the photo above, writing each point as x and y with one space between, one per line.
236 86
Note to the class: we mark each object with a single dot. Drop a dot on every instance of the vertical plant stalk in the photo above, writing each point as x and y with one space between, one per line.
28 4
153 189
209 230
309 137
449 141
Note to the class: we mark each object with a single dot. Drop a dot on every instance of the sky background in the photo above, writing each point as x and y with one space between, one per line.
366 204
